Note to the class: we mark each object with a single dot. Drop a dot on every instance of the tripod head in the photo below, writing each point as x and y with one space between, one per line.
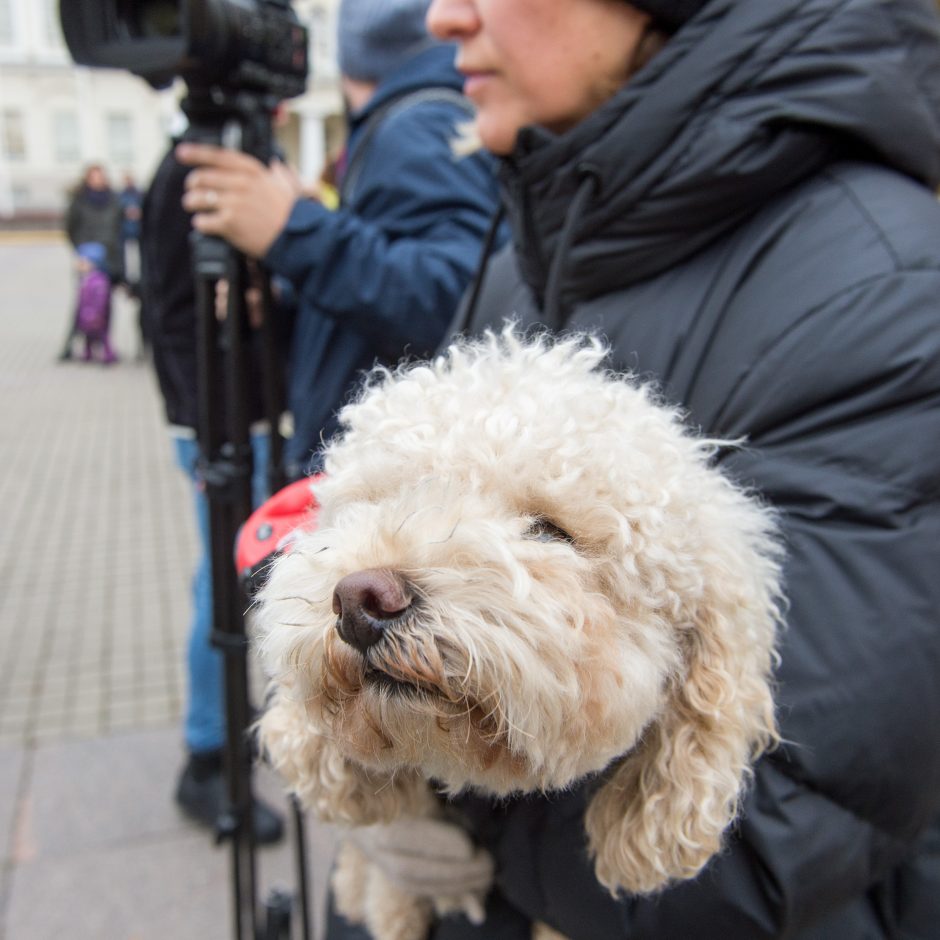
234 119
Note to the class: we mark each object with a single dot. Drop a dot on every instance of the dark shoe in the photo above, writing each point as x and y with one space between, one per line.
200 793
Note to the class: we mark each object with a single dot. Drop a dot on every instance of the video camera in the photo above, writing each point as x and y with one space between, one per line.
255 46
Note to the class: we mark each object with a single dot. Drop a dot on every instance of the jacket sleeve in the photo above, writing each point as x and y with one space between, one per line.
845 446
169 291
395 264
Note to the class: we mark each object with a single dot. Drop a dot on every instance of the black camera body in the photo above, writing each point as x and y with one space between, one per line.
229 46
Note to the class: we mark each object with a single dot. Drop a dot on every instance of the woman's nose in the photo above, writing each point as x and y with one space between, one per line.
452 20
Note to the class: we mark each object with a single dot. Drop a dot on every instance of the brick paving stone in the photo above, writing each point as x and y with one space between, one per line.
11 766
11 773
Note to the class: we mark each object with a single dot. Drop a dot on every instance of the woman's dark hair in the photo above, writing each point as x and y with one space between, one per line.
651 43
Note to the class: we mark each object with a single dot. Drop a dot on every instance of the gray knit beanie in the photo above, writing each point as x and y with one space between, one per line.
375 37
671 13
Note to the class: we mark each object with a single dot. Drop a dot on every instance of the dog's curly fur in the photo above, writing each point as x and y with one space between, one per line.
591 594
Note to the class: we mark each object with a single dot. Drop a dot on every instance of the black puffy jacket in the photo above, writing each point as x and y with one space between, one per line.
751 222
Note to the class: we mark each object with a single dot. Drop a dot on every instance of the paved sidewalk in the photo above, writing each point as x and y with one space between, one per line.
97 544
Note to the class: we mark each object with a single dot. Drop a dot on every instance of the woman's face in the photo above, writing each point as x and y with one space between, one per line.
95 178
546 62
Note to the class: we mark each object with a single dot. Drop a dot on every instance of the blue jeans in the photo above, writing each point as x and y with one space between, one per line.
204 727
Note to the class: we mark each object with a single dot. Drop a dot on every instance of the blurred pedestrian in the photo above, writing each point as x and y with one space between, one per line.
94 216
93 310
131 208
379 277
325 189
131 199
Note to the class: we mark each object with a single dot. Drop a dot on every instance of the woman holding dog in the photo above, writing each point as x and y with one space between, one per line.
738 195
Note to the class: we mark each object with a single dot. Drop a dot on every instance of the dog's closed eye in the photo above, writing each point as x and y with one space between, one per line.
544 530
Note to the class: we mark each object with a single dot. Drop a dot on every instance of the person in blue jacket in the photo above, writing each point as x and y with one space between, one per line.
380 277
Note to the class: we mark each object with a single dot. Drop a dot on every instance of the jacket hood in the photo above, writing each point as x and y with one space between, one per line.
431 68
747 99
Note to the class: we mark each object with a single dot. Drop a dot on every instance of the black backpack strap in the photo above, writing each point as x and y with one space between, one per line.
391 108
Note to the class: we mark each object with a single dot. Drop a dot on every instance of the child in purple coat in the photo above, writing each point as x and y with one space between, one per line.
93 313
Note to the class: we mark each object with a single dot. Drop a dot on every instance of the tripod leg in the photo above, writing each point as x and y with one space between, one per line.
303 883
277 906
272 390
226 469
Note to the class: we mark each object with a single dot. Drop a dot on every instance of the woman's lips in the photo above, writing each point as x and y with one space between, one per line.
475 82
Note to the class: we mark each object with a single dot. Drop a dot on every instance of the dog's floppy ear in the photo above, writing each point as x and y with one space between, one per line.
661 813
335 788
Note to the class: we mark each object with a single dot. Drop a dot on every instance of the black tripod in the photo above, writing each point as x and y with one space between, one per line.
238 121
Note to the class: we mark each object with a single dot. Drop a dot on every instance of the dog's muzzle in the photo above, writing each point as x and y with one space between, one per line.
367 603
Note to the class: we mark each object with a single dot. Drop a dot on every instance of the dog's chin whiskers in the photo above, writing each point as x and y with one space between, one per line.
515 729
389 783
495 722
375 725
342 676
406 660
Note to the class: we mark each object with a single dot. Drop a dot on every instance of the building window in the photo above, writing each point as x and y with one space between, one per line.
22 196
13 135
7 31
66 141
52 32
121 139
322 46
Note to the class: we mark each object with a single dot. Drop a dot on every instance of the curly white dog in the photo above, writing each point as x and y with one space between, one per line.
526 570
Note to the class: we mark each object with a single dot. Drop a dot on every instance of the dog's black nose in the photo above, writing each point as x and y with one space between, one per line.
366 603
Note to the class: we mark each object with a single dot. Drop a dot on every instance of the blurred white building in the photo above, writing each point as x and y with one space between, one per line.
56 118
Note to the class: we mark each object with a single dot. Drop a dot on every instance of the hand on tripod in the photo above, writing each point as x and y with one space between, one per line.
236 197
